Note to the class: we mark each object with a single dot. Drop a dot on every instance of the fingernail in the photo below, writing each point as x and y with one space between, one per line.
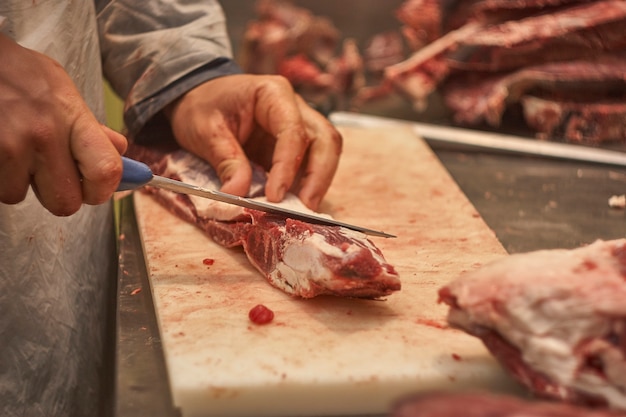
313 202
282 190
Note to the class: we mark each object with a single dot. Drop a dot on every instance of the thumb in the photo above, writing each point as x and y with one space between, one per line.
117 139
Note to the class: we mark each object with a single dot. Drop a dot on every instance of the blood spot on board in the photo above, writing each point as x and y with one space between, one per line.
208 261
260 314
456 357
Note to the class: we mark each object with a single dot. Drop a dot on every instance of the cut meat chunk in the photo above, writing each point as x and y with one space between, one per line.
299 258
483 404
555 319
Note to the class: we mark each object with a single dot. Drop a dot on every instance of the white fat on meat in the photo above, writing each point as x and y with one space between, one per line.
303 262
564 310
192 170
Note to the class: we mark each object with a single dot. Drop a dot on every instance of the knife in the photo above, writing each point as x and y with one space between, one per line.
137 174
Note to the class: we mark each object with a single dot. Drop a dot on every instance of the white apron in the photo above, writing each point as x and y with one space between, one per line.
56 274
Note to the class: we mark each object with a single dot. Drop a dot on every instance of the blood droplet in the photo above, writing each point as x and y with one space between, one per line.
208 261
260 314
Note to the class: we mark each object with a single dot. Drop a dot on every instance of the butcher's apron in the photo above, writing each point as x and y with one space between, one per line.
55 272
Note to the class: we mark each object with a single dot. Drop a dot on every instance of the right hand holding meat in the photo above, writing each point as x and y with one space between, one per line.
49 139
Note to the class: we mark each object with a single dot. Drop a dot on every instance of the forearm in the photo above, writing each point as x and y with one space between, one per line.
155 51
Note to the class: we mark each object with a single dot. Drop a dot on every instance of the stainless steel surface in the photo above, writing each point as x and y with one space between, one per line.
141 381
181 187
495 142
534 203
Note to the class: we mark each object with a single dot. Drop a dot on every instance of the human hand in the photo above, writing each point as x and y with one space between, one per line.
49 138
230 118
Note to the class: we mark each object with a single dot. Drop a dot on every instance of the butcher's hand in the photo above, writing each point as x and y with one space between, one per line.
49 139
232 118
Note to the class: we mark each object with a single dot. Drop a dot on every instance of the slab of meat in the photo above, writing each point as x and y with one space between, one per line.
299 258
587 122
575 32
501 10
580 31
427 20
555 319
477 97
483 404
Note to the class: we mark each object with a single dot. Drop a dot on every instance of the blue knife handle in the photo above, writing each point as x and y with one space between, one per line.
135 175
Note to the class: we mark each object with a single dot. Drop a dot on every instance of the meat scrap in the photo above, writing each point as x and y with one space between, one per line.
555 319
302 259
259 314
485 404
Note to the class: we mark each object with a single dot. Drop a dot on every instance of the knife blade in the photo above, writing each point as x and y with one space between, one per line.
137 174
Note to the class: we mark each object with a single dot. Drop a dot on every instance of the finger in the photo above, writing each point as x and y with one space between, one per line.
278 113
323 158
214 142
117 139
98 159
16 175
56 182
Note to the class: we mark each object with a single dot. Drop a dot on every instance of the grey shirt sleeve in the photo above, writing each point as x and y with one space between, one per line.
153 51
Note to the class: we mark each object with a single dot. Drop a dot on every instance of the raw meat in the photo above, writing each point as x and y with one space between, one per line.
421 74
303 73
580 31
260 314
486 56
500 10
555 319
282 30
307 50
299 258
576 121
427 20
483 404
383 50
478 97
423 20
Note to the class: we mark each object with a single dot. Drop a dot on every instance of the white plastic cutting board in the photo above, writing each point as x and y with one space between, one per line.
326 356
